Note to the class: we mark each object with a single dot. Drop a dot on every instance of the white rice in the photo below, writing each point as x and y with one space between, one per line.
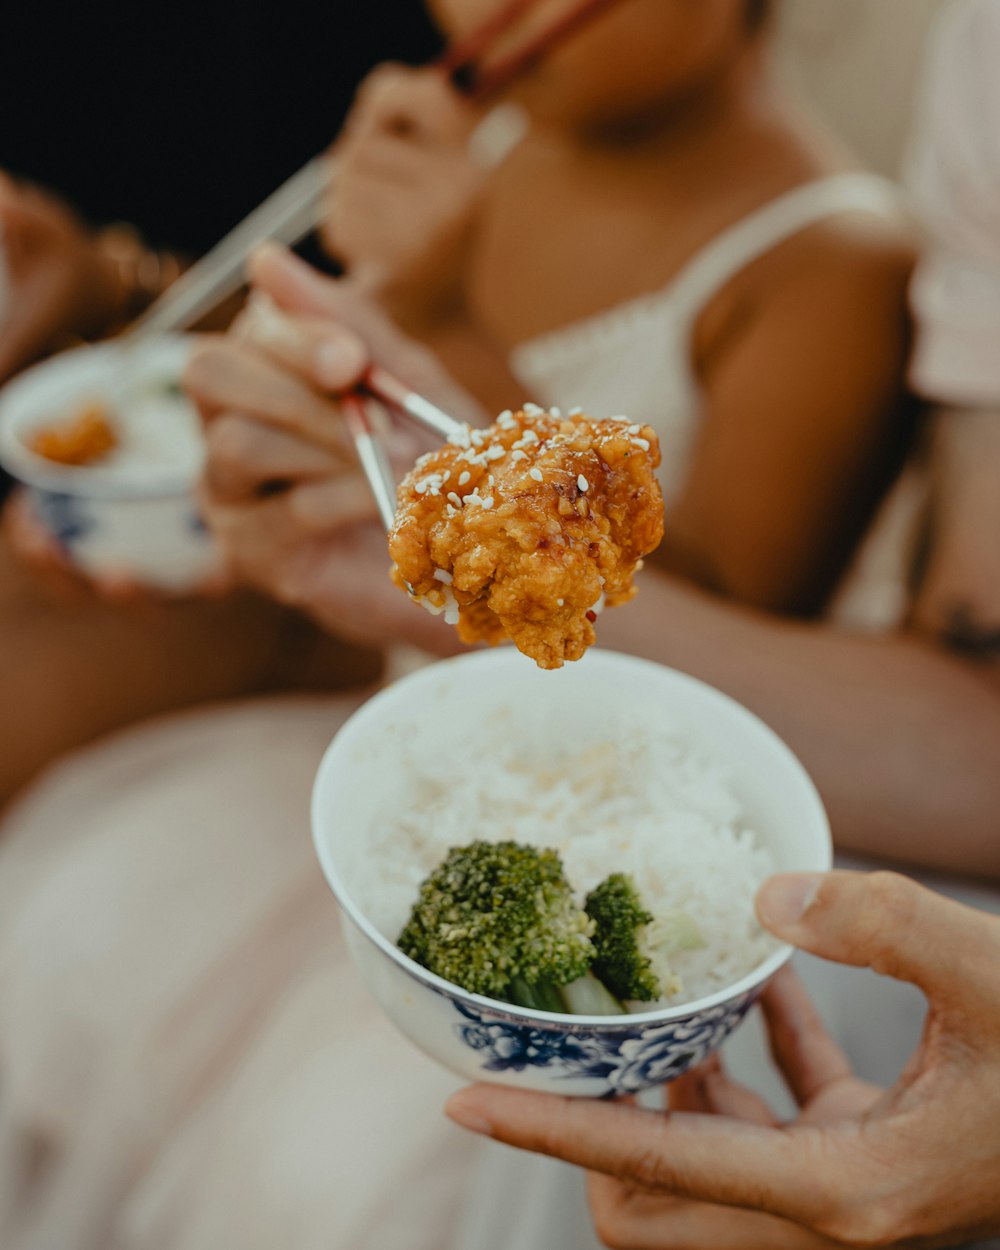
652 807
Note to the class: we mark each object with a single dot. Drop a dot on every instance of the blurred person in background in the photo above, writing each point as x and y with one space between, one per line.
751 259
900 728
134 141
902 733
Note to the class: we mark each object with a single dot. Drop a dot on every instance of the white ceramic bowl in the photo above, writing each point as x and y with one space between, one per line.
136 516
437 710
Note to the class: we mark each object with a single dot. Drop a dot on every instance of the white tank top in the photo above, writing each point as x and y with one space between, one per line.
635 358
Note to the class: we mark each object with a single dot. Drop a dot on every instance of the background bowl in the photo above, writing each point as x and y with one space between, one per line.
438 713
137 518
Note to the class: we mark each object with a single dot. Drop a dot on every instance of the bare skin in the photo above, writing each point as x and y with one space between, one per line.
61 280
901 733
651 134
77 660
652 151
76 664
859 1166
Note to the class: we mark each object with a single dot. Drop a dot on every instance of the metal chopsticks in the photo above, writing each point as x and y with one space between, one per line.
295 208
359 416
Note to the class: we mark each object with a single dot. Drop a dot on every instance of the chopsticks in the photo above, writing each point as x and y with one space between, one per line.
295 208
287 216
371 455
461 62
359 416
398 395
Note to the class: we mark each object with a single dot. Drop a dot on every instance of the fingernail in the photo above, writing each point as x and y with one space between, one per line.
785 899
267 247
464 1116
329 365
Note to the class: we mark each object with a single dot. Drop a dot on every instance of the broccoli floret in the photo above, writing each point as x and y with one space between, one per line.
498 919
634 948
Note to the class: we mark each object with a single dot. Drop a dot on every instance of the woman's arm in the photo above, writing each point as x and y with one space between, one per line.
802 367
901 737
902 734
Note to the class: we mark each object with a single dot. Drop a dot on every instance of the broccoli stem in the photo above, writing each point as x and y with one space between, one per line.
585 996
536 995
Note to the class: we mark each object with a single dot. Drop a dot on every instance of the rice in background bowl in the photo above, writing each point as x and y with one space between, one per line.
585 759
133 513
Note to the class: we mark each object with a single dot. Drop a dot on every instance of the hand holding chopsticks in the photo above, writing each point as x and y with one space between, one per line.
295 208
280 490
290 350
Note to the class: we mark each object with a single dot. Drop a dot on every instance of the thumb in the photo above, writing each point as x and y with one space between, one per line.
886 922
290 281
299 288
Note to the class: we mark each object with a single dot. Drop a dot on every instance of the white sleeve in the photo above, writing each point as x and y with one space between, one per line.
954 175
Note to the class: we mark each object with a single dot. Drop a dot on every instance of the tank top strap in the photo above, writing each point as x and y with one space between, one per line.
756 234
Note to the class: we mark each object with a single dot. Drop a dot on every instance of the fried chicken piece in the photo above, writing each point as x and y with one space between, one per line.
528 528
85 438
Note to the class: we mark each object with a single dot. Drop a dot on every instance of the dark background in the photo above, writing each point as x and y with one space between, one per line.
181 117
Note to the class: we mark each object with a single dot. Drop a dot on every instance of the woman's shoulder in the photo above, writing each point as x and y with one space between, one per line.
860 247
848 269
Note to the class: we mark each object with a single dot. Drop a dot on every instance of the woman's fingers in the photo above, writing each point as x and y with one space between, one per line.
323 507
804 1052
887 922
710 1158
363 331
307 345
224 376
635 1220
420 103
246 458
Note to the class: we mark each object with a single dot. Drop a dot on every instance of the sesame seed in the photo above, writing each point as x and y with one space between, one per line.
555 412
560 603
518 454
576 412
641 443
533 410
536 474
461 437
487 502
455 499
465 478
582 483
442 575
635 429
489 479
496 452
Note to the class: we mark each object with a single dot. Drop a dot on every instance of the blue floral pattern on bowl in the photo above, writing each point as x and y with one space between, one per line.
627 1059
65 515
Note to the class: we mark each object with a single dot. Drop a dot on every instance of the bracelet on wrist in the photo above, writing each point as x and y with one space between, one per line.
141 274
